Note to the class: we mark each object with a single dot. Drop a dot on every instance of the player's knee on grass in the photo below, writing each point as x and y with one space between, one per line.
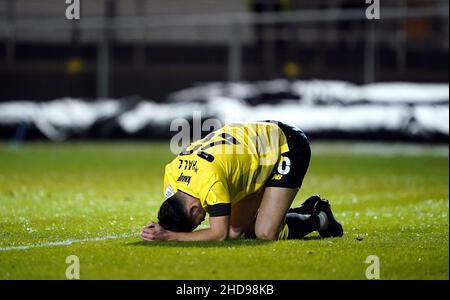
272 212
235 233
266 232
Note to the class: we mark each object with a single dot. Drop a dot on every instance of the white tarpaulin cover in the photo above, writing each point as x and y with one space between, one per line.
315 106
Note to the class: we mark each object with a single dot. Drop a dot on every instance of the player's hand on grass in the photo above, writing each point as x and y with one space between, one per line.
153 232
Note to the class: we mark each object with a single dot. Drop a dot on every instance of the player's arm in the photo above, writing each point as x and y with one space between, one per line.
219 210
218 231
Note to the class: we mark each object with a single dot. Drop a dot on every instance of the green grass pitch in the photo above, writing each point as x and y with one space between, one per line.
91 199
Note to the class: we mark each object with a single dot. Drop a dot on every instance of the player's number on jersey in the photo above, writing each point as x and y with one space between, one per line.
225 139
284 166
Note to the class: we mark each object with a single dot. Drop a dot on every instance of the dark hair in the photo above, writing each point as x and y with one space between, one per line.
172 215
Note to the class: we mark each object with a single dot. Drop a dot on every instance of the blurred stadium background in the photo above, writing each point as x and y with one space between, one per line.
127 68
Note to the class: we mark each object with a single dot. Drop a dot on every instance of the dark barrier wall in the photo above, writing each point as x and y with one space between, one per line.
43 72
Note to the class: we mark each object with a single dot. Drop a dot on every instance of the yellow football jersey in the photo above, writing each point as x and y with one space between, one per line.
228 164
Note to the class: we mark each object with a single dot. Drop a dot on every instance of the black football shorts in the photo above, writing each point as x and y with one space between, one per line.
292 166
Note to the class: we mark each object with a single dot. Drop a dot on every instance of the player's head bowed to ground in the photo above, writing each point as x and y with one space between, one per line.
245 176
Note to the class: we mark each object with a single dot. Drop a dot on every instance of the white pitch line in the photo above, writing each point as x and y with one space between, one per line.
67 242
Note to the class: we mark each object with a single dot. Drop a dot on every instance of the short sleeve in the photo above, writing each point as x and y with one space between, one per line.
217 201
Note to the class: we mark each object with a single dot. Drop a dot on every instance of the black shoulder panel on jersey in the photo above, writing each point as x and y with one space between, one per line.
206 156
219 210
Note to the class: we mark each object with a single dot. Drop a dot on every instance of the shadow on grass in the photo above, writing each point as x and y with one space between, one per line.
213 244
312 238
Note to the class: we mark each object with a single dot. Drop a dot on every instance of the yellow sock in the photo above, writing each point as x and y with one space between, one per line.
284 233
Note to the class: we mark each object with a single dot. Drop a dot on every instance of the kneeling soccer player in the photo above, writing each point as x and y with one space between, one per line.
245 176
